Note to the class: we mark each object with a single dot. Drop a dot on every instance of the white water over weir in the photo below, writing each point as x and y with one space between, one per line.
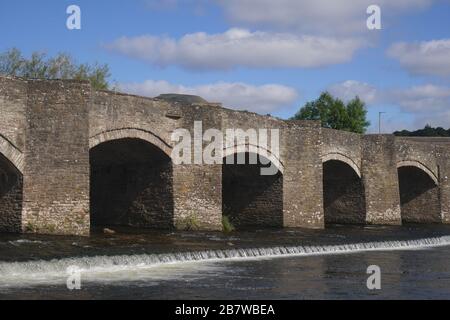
41 270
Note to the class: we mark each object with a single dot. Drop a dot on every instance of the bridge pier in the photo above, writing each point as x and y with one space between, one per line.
379 172
197 188
444 183
197 193
56 172
302 178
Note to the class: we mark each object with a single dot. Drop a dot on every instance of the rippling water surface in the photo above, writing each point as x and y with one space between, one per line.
260 264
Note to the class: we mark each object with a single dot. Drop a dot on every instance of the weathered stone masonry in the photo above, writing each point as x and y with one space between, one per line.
72 159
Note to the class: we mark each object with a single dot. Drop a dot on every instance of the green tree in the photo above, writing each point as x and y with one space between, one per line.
335 114
62 66
357 116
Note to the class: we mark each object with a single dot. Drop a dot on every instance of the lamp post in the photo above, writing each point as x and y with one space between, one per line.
379 121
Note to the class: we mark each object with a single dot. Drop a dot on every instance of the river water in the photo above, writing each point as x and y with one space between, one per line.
257 264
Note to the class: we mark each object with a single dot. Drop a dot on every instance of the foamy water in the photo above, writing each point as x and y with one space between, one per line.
172 265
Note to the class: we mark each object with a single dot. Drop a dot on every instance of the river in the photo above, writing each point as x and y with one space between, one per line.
257 264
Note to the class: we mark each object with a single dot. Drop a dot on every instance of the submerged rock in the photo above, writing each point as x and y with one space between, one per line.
108 231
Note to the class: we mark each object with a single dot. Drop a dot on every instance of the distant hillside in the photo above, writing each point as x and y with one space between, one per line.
182 98
428 131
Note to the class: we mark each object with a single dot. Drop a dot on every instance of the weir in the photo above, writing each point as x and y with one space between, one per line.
42 271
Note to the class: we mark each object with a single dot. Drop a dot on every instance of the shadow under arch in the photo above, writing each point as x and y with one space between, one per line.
343 193
131 184
421 166
255 150
249 199
419 193
129 133
343 158
11 196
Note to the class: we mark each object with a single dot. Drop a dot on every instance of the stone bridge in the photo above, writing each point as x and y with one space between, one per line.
72 159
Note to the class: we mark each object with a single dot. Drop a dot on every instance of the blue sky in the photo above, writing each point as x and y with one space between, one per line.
259 55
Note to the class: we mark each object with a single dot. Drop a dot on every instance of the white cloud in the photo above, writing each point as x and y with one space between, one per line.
262 99
238 47
347 90
438 119
426 103
426 58
421 99
314 16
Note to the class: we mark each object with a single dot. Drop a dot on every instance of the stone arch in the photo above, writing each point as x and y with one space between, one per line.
131 181
11 187
418 164
343 191
250 199
343 158
259 150
11 153
132 133
419 193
